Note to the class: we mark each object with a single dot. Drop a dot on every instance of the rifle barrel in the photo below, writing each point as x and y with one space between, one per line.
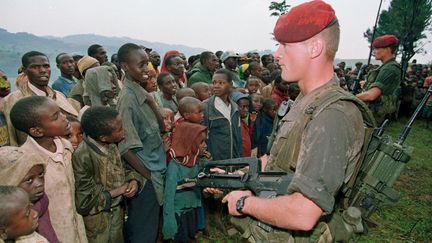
408 126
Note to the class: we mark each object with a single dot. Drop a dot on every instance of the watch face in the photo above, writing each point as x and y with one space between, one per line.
240 204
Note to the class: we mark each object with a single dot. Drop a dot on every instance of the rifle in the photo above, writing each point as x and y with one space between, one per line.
383 162
262 184
355 87
407 128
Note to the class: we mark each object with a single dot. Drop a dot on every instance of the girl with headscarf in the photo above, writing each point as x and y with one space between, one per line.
182 198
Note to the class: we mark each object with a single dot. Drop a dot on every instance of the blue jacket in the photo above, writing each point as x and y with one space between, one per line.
224 141
261 131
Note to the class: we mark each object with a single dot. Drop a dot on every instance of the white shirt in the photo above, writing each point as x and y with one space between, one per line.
223 108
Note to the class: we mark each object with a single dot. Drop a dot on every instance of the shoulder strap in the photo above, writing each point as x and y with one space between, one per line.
369 122
338 94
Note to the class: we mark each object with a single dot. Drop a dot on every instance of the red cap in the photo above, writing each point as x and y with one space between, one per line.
385 41
304 21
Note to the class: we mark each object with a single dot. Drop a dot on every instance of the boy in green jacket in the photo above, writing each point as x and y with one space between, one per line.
100 178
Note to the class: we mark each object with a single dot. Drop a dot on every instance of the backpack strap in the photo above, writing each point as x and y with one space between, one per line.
369 122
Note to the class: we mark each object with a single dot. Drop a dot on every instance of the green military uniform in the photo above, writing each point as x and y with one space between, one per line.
387 78
319 141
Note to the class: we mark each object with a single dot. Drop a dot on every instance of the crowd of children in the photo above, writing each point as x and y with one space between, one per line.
111 162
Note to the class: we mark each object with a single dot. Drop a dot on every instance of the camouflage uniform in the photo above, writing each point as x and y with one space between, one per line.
319 141
387 78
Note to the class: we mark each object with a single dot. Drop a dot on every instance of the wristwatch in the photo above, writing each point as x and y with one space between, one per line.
240 204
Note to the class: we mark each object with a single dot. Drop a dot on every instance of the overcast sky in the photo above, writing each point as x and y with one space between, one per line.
239 25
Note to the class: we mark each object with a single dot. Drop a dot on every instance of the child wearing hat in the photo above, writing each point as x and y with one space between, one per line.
27 171
45 125
242 101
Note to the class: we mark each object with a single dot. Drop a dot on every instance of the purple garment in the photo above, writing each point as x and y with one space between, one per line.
45 228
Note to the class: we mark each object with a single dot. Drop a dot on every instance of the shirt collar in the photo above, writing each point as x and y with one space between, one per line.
96 145
220 102
69 81
139 91
223 108
57 156
39 92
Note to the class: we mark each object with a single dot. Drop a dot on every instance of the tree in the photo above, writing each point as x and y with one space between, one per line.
409 21
278 8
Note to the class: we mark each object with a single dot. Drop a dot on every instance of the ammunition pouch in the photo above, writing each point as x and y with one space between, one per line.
255 231
345 225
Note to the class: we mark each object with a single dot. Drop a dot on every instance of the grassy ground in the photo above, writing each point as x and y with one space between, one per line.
410 220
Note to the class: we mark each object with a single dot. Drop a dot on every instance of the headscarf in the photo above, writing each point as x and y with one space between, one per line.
15 164
167 54
164 67
186 153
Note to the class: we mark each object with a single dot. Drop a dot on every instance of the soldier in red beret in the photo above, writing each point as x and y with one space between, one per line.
319 140
382 83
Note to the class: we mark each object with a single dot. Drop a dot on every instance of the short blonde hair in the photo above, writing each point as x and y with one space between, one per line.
331 36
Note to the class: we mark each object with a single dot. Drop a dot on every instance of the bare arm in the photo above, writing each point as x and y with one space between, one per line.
370 95
135 162
294 212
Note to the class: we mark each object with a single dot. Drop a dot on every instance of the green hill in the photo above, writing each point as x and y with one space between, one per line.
14 45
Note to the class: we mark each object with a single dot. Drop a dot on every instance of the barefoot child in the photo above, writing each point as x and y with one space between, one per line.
26 170
45 124
100 178
181 199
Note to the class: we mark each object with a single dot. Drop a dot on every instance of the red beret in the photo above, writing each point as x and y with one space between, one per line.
304 21
385 41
